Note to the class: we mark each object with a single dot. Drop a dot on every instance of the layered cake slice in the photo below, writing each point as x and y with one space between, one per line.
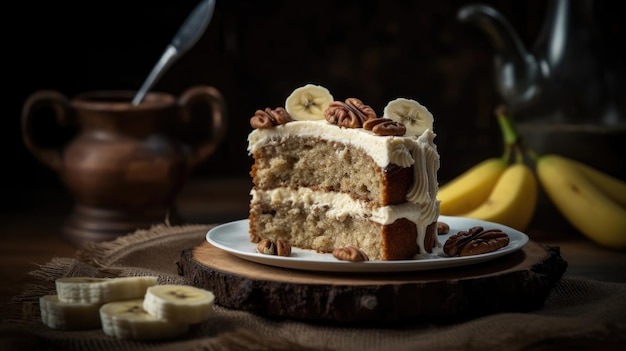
333 174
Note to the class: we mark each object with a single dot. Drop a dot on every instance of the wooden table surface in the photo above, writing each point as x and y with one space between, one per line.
31 237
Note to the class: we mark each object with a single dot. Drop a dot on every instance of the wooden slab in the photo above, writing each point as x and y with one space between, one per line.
518 282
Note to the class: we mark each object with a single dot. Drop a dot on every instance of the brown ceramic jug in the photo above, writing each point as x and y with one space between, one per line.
123 164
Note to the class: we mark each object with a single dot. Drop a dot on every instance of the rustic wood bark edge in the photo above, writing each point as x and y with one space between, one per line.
522 285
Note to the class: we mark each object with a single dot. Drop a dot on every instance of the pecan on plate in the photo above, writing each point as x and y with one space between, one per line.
442 228
475 241
266 247
283 248
350 253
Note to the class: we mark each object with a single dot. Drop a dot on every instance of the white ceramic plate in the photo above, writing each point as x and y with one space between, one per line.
233 237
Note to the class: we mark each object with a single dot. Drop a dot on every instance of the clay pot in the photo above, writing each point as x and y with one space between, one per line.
123 164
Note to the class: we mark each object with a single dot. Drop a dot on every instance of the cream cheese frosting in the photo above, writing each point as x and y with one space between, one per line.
383 150
339 205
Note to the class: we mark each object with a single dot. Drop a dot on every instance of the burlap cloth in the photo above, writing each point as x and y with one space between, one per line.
578 314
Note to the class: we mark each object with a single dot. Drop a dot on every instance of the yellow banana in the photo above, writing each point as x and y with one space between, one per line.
609 185
512 201
584 204
471 188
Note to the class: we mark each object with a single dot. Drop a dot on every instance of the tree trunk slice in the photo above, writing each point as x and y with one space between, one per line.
518 282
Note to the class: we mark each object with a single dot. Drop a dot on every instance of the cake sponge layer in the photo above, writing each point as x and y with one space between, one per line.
315 229
329 166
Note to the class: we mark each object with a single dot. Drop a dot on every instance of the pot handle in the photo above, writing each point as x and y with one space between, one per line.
194 102
31 113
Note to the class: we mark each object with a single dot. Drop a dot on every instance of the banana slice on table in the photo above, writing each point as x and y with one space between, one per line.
57 314
102 290
415 117
308 103
179 303
128 320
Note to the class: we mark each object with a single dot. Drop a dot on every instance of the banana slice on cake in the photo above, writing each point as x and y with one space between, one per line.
57 314
102 290
128 320
179 303
415 117
308 103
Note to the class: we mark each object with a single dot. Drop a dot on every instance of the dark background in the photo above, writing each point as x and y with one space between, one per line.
256 53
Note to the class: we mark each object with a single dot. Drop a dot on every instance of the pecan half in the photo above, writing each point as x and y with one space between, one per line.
269 118
350 253
384 127
283 248
442 228
488 241
455 243
475 241
266 247
349 114
365 110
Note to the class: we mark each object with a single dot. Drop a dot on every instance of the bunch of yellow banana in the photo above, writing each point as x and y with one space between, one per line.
592 201
505 190
501 190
